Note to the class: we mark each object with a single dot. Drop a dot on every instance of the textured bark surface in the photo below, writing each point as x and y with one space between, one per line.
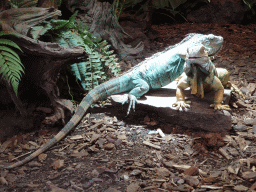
42 60
102 24
4 4
42 63
20 20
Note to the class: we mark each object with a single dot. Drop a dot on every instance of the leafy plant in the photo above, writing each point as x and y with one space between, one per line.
146 5
249 3
11 67
26 3
101 63
22 4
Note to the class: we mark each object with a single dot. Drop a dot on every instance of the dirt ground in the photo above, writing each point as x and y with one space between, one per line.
111 152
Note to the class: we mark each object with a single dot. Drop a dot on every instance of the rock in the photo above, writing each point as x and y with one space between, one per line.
199 116
239 128
250 121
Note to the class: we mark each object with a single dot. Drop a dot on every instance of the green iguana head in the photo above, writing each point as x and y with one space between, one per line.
212 43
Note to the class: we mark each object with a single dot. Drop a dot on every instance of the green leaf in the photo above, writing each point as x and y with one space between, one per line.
10 43
3 70
7 54
2 33
249 3
4 48
176 3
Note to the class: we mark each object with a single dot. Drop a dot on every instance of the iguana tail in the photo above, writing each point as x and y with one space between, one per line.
100 92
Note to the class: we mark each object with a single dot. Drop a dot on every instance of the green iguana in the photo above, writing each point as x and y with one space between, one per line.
202 76
155 72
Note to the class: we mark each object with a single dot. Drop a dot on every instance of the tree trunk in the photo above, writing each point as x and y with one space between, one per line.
42 60
103 24
4 5
48 4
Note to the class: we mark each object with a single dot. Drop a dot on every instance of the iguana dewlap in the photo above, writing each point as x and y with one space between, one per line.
155 72
201 75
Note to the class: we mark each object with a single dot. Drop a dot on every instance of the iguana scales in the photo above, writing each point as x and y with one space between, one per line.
201 76
155 72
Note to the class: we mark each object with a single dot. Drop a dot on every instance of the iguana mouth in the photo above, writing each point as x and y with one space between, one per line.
194 57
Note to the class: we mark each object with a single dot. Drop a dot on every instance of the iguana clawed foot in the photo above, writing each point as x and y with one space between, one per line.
132 100
219 106
181 105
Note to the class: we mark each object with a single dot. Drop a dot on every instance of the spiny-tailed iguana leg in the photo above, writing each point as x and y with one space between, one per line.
223 75
217 86
140 88
180 94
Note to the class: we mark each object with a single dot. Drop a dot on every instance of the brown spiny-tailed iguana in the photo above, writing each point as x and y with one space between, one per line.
155 72
201 75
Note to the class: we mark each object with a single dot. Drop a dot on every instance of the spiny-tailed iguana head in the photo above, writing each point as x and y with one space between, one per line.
198 57
197 54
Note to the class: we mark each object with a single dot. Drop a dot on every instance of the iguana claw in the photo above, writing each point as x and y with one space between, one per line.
219 106
181 104
132 102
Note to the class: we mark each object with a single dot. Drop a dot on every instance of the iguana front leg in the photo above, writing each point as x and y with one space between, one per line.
180 94
140 88
217 86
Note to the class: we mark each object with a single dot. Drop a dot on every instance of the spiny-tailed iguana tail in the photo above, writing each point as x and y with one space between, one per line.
155 72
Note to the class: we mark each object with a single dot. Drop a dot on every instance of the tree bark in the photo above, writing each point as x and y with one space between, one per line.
47 4
4 5
42 60
103 24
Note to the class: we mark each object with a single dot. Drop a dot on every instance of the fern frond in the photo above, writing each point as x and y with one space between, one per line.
9 50
23 4
11 67
2 33
101 63
10 43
